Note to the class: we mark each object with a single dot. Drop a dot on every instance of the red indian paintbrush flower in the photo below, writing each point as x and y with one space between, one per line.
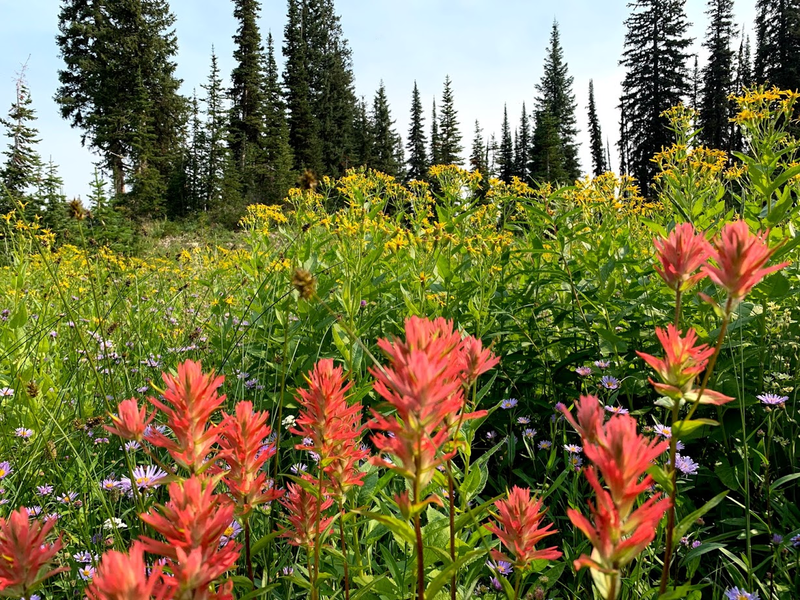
330 427
122 576
193 524
618 532
130 422
189 400
245 449
740 256
519 531
682 363
475 360
590 417
304 516
25 554
681 254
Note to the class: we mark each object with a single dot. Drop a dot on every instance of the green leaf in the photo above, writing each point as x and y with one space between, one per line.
400 529
684 592
785 479
257 593
681 429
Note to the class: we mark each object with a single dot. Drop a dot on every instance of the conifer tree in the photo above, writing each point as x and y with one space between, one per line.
450 147
744 64
247 84
777 60
478 157
216 154
362 134
655 60
303 127
385 138
695 86
22 165
505 158
276 156
522 149
196 159
599 164
718 77
436 143
555 105
119 86
491 156
417 155
547 160
50 197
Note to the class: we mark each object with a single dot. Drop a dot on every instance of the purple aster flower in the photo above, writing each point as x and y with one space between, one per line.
109 484
231 532
23 432
777 539
53 334
737 594
795 541
44 490
558 407
496 583
298 468
490 435
523 420
132 446
6 392
5 469
529 433
602 364
616 410
584 371
609 382
772 400
509 403
686 465
573 448
68 498
146 477
86 572
663 430
697 544
679 445
501 566
575 461
545 445
143 389
84 557
286 571
33 511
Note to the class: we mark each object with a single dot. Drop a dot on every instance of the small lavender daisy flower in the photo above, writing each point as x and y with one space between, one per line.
573 448
109 484
6 392
231 532
5 469
795 541
84 557
777 539
23 432
145 478
501 566
529 433
737 594
609 382
616 410
86 572
298 468
132 446
68 498
490 435
663 430
772 400
44 490
545 445
686 465
286 571
697 544
602 364
584 371
524 420
509 403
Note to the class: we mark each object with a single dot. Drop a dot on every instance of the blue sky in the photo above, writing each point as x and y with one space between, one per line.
492 50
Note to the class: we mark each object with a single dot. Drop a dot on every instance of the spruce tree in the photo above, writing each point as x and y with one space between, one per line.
276 155
417 155
777 60
744 64
547 156
216 155
119 86
196 159
384 136
718 77
505 159
362 135
556 102
436 143
522 149
478 158
450 147
247 84
50 197
303 127
22 166
695 86
655 60
599 164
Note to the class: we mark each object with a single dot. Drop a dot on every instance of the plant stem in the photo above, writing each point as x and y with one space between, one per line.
317 540
450 497
420 547
344 551
673 493
247 558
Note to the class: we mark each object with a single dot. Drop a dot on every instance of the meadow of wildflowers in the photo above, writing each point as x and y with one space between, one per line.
449 389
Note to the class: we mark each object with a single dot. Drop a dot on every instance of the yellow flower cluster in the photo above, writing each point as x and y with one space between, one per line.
261 217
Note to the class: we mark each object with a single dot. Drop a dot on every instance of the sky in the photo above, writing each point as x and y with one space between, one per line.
493 50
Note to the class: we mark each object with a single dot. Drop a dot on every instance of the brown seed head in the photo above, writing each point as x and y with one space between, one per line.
305 283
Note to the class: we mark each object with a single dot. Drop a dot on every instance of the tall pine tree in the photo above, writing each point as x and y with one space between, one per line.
655 58
547 154
119 86
436 142
478 158
777 59
276 156
505 159
218 166
417 155
384 136
599 165
555 105
450 147
522 149
23 164
362 135
718 77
